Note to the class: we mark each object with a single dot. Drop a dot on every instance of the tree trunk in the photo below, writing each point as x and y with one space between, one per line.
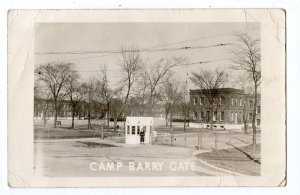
44 118
171 117
55 113
73 116
245 124
211 117
184 123
115 124
108 117
166 117
254 116
89 120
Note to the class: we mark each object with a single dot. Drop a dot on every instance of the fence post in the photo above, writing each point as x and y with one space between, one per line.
48 132
171 136
216 140
230 134
199 139
184 139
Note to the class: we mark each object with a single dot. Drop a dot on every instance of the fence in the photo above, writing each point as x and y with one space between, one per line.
64 131
204 139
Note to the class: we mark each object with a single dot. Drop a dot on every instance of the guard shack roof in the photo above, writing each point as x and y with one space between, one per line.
139 120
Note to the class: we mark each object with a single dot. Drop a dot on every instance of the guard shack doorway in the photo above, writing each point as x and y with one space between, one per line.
134 125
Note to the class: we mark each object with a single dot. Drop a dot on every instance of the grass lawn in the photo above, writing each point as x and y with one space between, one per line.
244 159
49 132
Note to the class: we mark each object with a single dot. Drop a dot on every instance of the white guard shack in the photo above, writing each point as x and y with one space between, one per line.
133 127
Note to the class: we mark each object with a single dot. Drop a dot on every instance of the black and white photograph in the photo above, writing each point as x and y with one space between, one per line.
147 99
141 101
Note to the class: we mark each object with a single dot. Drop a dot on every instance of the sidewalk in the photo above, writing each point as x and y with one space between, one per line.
244 160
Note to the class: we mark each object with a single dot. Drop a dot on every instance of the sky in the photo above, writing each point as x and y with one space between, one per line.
100 37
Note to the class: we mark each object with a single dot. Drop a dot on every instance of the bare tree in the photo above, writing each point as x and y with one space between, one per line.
245 115
140 93
184 105
155 75
42 98
55 76
106 92
75 92
90 92
247 58
169 95
130 64
243 82
116 104
210 82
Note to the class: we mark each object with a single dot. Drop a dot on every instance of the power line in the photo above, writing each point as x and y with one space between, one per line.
197 39
142 50
152 47
204 62
187 64
112 70
91 57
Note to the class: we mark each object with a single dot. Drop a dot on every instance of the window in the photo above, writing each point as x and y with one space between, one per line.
138 130
144 128
222 116
236 101
250 115
195 100
201 99
195 114
201 115
241 101
258 122
221 100
132 130
250 103
231 119
128 129
215 116
232 101
207 115
258 110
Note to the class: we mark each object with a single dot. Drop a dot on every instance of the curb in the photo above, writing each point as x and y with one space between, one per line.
220 169
62 140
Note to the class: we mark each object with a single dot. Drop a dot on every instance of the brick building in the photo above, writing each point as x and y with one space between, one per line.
230 106
45 108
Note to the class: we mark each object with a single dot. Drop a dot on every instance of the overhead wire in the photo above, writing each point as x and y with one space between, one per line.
137 50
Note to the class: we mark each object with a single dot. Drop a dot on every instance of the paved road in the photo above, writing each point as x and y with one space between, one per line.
70 158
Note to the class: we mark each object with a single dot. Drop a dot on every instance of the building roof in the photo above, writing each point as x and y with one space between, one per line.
252 95
220 90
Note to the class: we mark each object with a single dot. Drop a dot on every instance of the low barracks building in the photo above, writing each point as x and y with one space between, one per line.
229 106
45 108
